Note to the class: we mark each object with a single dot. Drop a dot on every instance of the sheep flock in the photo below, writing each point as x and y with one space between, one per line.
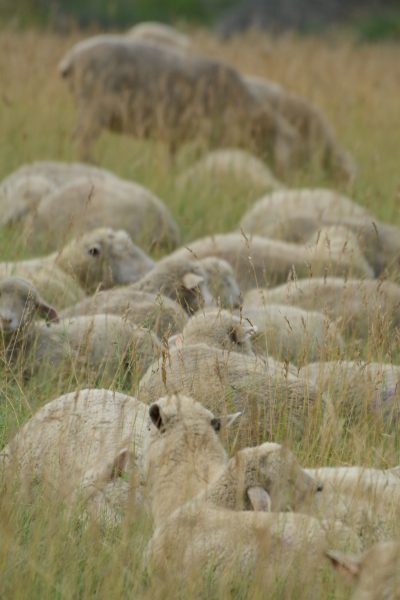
190 408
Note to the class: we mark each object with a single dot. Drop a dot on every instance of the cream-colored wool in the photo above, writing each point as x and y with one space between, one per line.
221 282
159 33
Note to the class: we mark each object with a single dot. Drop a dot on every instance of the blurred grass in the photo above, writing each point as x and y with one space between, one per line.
357 86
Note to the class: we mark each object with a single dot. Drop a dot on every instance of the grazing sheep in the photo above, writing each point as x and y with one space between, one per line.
291 334
78 443
156 312
182 279
258 260
316 139
376 574
358 304
358 387
229 167
100 258
170 96
159 33
364 499
220 329
87 203
183 457
275 402
103 343
221 282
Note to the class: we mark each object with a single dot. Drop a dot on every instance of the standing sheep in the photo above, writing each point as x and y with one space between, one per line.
257 261
85 204
169 96
100 258
360 305
106 344
317 142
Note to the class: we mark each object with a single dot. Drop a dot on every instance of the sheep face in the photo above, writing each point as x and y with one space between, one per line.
104 258
221 281
192 292
275 469
19 303
221 329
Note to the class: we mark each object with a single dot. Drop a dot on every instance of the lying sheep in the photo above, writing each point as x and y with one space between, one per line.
156 312
169 96
77 444
217 328
159 33
22 190
101 258
358 387
360 305
85 204
292 334
376 574
365 499
221 282
183 457
275 402
230 167
182 279
296 215
106 344
316 139
258 260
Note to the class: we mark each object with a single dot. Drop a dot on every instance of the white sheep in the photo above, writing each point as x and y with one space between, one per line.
77 444
100 258
316 140
376 574
272 397
229 167
217 328
106 344
154 311
257 261
292 334
183 456
358 304
169 95
159 33
88 203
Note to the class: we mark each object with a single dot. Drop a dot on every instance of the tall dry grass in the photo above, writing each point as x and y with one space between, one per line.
44 553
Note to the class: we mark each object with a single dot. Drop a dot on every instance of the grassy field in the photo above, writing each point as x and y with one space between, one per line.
45 555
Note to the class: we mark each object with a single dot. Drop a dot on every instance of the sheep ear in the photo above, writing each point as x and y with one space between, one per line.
119 464
259 498
46 311
347 565
227 420
155 415
191 280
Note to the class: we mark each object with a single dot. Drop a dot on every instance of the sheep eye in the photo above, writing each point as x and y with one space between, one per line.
94 251
216 424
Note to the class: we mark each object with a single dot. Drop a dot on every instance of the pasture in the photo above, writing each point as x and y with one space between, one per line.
46 553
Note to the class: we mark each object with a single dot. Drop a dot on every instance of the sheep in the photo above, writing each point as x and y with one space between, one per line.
317 143
258 260
217 328
376 574
102 343
231 167
183 457
221 282
358 304
100 258
275 402
77 444
291 334
156 312
180 278
296 215
88 203
159 33
356 387
364 499
168 95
